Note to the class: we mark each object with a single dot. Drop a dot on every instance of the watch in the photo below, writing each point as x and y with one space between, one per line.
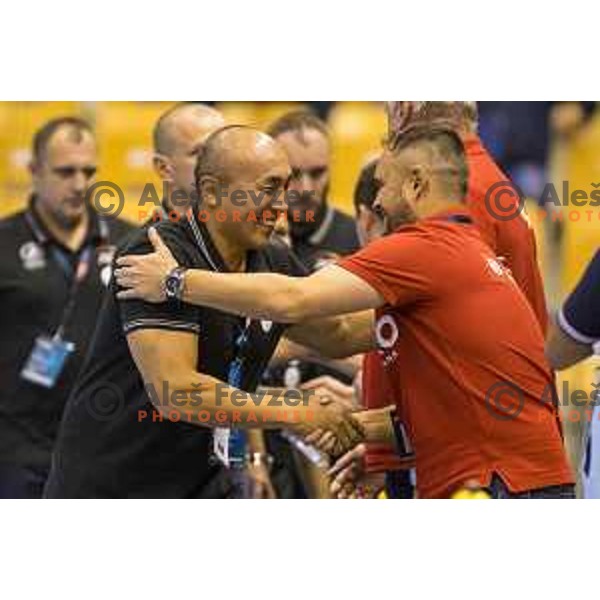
174 283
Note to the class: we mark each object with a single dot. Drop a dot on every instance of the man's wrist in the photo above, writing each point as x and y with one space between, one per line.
174 284
377 424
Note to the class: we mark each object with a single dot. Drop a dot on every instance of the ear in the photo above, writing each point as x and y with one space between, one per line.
419 183
34 168
163 167
208 191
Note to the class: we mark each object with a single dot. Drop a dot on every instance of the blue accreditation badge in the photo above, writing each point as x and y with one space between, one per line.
230 444
47 360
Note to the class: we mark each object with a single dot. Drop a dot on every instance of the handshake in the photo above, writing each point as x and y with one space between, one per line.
338 429
334 427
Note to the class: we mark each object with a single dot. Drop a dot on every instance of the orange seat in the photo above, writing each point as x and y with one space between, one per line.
357 131
124 131
18 123
582 224
269 112
239 113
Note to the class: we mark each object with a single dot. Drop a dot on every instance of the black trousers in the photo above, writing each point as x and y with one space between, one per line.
22 482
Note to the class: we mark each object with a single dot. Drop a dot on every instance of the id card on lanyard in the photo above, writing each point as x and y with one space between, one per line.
229 444
49 354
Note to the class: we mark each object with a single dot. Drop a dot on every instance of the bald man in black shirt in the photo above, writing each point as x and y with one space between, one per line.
141 420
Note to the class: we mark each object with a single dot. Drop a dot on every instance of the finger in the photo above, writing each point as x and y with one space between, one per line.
354 430
346 492
327 438
127 295
325 400
157 242
347 459
126 281
346 436
315 383
330 445
314 437
127 261
122 272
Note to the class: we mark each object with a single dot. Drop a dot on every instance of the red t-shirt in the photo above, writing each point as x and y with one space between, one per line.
456 324
513 240
378 393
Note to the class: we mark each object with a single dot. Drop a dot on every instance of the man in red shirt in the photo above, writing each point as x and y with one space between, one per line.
497 211
494 202
461 346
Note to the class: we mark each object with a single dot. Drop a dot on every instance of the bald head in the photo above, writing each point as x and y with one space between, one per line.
238 152
184 121
178 138
241 176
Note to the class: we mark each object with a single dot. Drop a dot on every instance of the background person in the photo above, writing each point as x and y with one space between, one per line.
55 261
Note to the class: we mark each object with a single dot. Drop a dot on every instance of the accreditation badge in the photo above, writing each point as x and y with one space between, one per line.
221 444
47 360
106 255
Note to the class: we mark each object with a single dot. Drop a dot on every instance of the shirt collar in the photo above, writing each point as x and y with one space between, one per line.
317 237
472 144
454 215
97 232
204 242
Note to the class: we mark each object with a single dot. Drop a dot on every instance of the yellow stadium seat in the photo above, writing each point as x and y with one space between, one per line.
18 123
256 114
268 112
357 131
582 233
240 113
124 131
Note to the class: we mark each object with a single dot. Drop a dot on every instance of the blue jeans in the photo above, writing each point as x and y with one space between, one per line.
499 491
22 482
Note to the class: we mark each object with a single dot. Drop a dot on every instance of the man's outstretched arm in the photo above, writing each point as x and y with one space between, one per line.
329 292
167 362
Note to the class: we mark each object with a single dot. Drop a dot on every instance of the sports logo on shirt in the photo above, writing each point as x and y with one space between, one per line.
266 326
386 332
32 256
496 267
105 258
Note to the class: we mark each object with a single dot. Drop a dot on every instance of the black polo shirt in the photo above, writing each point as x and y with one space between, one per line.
36 272
333 232
104 448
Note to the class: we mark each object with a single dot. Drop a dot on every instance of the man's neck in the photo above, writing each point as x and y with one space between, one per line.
233 256
72 237
181 204
436 206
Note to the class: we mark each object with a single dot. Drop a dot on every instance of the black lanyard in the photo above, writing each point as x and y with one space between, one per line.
235 370
76 275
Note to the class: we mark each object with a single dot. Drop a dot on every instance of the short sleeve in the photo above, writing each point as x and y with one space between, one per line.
397 266
170 315
283 260
579 318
